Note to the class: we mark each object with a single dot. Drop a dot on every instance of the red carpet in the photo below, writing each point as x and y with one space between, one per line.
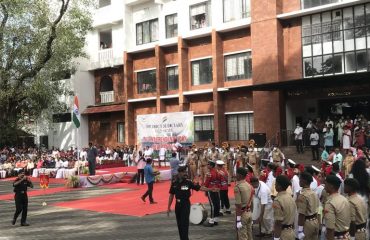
129 202
38 192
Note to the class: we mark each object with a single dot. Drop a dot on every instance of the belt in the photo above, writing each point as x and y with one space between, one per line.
361 226
340 234
311 218
22 192
287 226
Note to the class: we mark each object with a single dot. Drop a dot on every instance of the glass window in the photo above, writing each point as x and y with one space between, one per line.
200 15
105 39
146 81
147 32
327 64
350 62
239 126
348 18
338 63
238 66
315 3
203 128
201 71
317 65
361 60
307 65
236 9
172 78
120 132
359 15
171 26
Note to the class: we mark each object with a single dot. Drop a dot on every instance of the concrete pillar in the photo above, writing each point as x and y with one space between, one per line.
128 93
183 73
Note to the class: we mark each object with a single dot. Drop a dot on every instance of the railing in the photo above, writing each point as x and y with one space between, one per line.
106 55
107 97
310 4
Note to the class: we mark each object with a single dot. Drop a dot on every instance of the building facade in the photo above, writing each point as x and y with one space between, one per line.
242 66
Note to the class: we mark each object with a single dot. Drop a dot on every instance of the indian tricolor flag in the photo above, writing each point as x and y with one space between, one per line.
76 113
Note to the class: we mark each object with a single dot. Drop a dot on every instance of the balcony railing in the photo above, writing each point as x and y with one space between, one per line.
107 97
106 55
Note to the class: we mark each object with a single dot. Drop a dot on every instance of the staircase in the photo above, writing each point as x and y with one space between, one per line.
290 152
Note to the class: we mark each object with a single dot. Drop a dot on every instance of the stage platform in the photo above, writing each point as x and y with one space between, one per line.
115 175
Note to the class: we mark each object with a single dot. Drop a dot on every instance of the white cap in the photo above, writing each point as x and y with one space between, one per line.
315 168
220 162
291 161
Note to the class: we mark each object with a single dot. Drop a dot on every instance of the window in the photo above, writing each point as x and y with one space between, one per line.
105 39
200 15
172 78
120 132
147 32
203 128
315 3
236 9
171 26
239 126
146 81
62 117
106 84
336 42
201 71
104 126
104 3
238 66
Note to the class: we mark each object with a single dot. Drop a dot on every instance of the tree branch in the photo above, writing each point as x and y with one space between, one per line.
2 29
49 43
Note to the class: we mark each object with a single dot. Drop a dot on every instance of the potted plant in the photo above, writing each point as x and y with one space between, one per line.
73 182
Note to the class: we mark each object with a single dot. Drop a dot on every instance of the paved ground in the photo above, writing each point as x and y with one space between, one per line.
59 223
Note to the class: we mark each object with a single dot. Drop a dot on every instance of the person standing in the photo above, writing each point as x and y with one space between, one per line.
180 188
337 209
346 139
307 206
284 210
213 182
329 138
314 142
298 137
21 184
174 164
92 153
224 188
243 192
149 175
140 165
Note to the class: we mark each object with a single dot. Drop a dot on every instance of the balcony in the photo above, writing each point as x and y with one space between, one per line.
106 58
107 97
109 15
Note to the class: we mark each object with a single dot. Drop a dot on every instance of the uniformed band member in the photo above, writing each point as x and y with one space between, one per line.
180 188
284 210
307 207
358 210
213 182
336 211
224 188
20 185
203 161
243 204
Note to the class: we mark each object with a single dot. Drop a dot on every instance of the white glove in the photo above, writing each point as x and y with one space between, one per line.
300 235
323 229
239 225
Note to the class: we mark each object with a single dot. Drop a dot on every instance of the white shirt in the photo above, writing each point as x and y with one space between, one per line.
270 179
295 186
313 184
330 122
65 164
83 155
162 151
58 164
263 193
314 138
298 132
148 152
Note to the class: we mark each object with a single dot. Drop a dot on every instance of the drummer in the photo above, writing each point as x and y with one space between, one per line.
180 188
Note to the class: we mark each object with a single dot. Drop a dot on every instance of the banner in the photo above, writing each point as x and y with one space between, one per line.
160 130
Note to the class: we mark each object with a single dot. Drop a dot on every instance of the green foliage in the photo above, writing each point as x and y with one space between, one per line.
38 41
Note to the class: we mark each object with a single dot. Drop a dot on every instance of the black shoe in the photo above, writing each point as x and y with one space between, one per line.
13 221
153 202
142 198
228 212
24 224
209 224
216 223
221 214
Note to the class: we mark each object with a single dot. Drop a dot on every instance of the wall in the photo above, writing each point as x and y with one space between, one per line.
117 77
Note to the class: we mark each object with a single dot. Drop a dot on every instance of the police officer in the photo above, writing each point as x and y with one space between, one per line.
284 210
307 207
213 181
243 192
336 211
180 188
358 209
20 185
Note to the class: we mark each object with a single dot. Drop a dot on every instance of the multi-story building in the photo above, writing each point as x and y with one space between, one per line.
242 66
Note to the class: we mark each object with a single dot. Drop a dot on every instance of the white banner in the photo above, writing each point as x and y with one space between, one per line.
160 130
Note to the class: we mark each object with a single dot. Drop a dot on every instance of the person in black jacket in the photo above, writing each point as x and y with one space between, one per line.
21 184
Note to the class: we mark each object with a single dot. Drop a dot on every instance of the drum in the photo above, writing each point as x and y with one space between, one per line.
198 214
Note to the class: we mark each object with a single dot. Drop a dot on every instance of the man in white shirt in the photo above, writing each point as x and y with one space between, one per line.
298 136
176 147
264 204
295 181
148 152
162 156
338 158
314 142
83 154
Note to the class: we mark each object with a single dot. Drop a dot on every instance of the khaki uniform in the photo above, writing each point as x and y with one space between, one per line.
253 160
337 215
244 195
277 157
240 159
214 156
358 215
203 170
230 166
193 159
285 211
308 205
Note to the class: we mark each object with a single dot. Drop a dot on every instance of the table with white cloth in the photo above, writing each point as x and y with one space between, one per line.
65 173
37 171
2 173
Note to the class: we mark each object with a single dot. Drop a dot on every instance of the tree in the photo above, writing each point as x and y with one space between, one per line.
38 41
